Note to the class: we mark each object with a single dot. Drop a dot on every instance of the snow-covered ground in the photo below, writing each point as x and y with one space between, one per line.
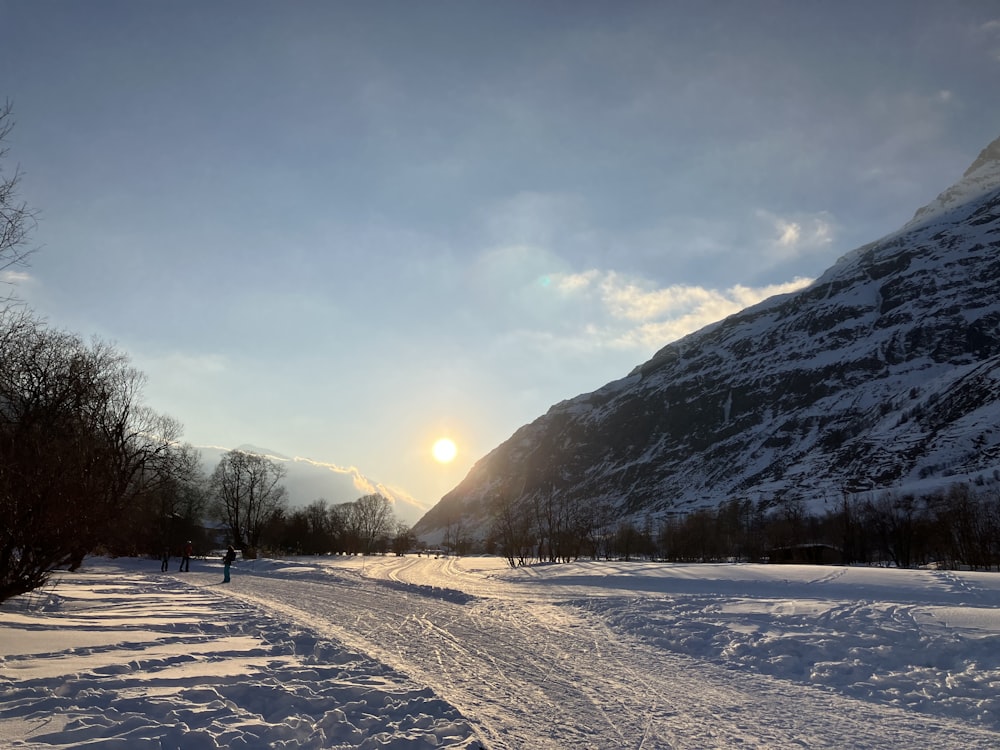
415 652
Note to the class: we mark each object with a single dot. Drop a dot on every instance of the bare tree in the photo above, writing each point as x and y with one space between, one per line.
372 518
403 539
77 447
309 530
512 527
456 537
170 507
338 520
320 538
248 494
16 219
895 520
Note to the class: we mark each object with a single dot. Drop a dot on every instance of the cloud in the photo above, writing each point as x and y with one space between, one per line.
359 480
571 283
790 232
533 218
632 313
199 380
365 485
628 300
404 502
790 237
511 264
15 277
185 367
991 32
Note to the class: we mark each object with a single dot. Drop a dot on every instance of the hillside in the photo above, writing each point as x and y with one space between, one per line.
884 373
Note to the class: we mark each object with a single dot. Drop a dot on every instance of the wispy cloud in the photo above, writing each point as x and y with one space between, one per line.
991 32
183 367
534 218
633 313
15 277
791 237
365 485
198 363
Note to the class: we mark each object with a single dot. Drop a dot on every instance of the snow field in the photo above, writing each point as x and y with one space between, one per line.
411 652
925 640
119 657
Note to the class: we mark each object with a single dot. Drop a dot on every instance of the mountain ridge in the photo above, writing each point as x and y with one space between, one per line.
884 372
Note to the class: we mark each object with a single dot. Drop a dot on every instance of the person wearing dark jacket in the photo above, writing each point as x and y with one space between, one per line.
226 562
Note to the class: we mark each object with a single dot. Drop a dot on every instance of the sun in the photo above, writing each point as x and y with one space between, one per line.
444 450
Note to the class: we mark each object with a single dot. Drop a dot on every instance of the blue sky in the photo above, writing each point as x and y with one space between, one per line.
341 230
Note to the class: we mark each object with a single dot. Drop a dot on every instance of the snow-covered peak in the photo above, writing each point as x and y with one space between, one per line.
982 177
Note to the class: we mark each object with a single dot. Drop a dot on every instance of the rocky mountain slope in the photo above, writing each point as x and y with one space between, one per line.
883 374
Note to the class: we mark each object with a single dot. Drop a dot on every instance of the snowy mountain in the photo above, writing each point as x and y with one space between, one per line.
883 374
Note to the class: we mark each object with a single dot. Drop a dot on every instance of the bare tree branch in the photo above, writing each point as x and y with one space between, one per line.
16 219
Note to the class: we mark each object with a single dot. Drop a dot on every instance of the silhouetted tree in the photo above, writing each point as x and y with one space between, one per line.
372 518
343 517
511 528
895 520
403 540
168 510
78 449
248 493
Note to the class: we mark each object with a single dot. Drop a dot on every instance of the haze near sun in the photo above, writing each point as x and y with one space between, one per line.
444 450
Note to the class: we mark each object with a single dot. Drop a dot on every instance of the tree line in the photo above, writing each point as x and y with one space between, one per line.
86 467
954 527
247 496
366 526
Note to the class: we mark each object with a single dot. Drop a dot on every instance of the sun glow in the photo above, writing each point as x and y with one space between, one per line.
444 450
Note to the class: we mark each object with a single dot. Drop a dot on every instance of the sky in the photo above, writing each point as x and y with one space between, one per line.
343 230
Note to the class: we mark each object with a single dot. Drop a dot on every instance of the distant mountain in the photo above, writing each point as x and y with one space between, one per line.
883 374
308 480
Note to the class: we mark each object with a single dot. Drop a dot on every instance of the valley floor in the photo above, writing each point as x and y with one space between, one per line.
388 652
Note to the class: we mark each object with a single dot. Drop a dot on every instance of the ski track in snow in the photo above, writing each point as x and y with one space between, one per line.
535 674
419 652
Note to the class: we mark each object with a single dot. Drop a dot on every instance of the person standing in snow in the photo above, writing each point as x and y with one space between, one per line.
226 562
165 560
186 560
